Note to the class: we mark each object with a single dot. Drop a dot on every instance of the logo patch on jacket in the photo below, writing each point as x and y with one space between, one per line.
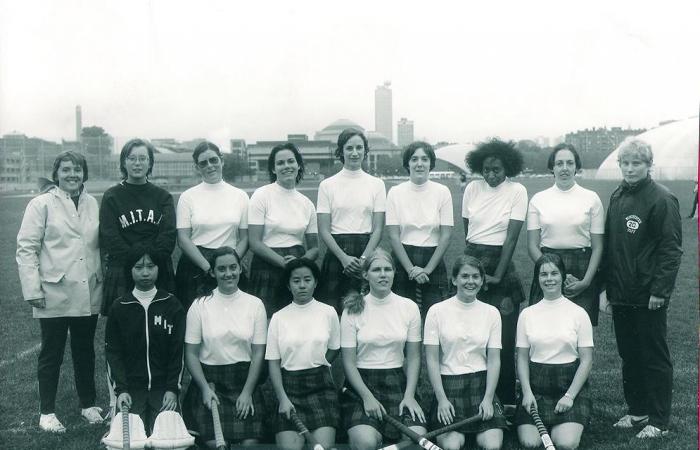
163 323
633 223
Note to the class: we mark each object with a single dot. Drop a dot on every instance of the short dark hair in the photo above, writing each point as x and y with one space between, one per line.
503 151
297 263
343 139
284 295
563 146
206 289
203 147
414 147
134 255
126 151
550 258
76 158
271 160
468 260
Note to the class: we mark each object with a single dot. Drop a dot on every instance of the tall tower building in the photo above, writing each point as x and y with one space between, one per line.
78 122
383 122
404 132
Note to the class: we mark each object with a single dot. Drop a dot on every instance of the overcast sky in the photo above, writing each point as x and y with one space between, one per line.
260 70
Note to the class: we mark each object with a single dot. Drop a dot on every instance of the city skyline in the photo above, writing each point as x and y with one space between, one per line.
461 73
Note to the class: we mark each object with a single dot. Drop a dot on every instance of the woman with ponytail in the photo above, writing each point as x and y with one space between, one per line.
376 331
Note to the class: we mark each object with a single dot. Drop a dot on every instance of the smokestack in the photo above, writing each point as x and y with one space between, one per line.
78 123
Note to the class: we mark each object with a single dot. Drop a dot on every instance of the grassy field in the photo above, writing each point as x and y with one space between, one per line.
19 335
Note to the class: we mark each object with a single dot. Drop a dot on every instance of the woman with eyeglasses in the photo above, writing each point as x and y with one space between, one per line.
211 215
134 212
282 224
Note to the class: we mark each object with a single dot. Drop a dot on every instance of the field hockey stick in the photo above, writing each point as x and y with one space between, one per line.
126 438
419 295
435 433
546 440
412 435
218 432
315 445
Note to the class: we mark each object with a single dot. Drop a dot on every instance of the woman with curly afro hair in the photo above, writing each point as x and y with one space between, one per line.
493 210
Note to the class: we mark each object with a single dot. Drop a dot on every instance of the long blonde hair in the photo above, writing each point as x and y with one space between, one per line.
354 302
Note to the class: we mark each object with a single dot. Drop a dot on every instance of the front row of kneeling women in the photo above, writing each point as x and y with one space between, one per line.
227 338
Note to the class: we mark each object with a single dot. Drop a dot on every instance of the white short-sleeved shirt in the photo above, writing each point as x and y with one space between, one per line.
300 335
351 197
554 330
214 212
463 331
286 214
381 331
226 326
566 218
419 211
489 210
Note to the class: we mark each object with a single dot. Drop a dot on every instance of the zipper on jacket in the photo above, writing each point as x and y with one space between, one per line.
148 341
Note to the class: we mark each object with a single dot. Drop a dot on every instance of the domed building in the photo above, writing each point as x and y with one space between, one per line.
675 148
333 130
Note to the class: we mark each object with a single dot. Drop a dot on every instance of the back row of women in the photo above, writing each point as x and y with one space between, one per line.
280 225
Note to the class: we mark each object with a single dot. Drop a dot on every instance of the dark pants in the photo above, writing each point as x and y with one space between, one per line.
695 205
647 371
53 343
505 389
147 405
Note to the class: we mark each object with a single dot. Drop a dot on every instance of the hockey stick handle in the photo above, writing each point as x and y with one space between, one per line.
412 435
546 440
438 432
305 432
218 432
126 438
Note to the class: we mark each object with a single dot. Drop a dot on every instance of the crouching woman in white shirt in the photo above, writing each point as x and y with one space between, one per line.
555 356
375 332
224 347
463 353
302 341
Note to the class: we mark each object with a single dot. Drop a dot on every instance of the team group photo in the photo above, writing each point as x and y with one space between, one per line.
365 288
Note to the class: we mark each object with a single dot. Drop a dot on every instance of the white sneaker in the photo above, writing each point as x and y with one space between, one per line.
92 414
651 432
50 423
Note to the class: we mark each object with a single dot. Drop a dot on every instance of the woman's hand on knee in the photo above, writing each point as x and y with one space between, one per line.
169 401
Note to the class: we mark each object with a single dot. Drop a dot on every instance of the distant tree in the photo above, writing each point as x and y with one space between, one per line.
93 132
234 167
534 156
390 165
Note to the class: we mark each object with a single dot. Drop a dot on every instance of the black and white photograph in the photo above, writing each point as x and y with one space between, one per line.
367 225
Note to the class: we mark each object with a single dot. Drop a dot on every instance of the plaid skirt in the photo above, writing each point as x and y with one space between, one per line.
576 263
549 383
388 387
334 283
466 392
434 291
510 285
115 283
314 396
264 279
228 381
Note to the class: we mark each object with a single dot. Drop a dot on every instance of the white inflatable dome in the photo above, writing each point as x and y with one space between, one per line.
675 148
455 154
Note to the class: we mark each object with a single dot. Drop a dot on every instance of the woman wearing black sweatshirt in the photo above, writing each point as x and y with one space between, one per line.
135 212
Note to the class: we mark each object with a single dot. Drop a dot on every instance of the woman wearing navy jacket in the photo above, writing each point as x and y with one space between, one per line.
642 256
